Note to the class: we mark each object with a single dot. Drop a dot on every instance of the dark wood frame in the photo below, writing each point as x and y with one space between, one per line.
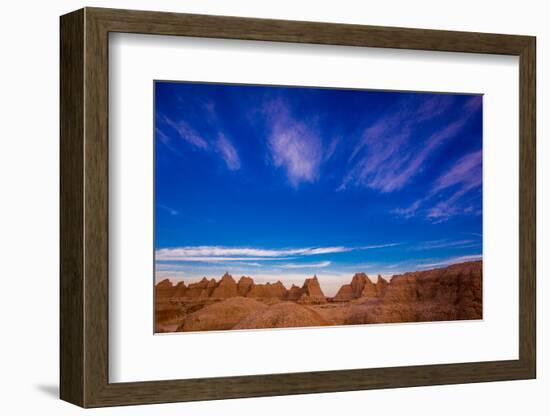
84 207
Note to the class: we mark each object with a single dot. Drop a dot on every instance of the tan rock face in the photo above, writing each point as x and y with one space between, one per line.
267 291
179 291
360 286
279 290
294 293
164 289
195 290
358 282
283 315
221 315
452 293
369 290
312 287
165 311
211 286
244 285
311 292
226 288
344 294
381 285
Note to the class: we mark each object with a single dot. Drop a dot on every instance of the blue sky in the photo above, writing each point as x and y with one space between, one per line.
280 183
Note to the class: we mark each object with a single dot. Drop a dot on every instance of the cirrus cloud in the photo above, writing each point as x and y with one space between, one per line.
240 253
385 158
452 193
222 253
451 260
294 145
228 152
186 133
321 264
209 138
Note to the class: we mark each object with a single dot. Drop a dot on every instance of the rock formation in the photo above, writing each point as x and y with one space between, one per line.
451 293
267 291
360 286
226 288
381 285
311 292
294 293
352 290
165 311
369 290
195 290
211 286
282 315
179 291
164 289
221 315
244 285
344 294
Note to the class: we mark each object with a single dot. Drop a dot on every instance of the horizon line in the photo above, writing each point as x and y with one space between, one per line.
352 274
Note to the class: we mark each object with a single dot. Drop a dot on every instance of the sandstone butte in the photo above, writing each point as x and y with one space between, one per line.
450 293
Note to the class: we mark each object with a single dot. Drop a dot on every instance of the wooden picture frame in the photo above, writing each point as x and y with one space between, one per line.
84 207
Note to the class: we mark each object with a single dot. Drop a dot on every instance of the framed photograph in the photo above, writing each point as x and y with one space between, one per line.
255 207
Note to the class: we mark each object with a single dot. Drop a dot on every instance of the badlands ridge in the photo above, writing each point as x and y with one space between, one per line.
444 294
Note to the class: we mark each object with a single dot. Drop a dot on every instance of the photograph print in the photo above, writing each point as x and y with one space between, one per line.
286 207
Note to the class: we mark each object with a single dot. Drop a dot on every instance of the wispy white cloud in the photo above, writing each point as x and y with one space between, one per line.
462 179
383 159
465 176
221 253
373 246
215 259
389 167
166 140
324 250
331 148
451 260
321 264
433 107
466 173
186 133
210 137
430 245
168 209
293 145
228 152
409 211
217 251
163 137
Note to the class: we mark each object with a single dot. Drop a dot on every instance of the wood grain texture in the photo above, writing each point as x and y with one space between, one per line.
84 207
162 23
96 208
527 208
71 100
